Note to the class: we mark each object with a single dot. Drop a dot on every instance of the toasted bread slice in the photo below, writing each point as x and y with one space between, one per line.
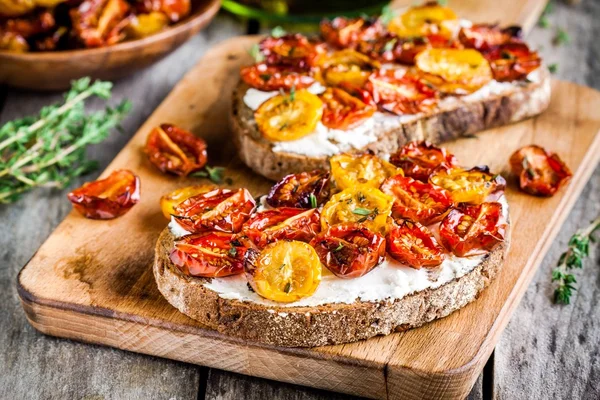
451 120
326 324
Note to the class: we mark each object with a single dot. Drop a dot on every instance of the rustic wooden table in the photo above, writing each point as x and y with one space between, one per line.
547 351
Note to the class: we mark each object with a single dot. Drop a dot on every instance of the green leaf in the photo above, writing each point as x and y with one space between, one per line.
361 211
340 246
553 68
313 200
293 93
278 32
561 37
256 54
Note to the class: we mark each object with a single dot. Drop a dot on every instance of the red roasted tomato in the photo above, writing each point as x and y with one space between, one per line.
359 92
107 198
272 77
470 230
513 61
540 173
284 223
414 245
486 37
391 48
349 250
209 255
344 32
303 190
418 160
417 201
172 149
342 110
99 23
221 210
401 93
291 50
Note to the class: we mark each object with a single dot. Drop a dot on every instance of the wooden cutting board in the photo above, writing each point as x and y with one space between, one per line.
92 280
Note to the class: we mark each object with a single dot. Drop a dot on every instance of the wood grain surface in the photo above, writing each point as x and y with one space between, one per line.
65 369
84 284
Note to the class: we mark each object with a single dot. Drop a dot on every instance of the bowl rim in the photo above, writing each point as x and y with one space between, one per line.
206 10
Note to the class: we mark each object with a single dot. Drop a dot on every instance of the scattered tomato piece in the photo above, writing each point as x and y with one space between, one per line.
414 245
513 61
540 172
174 150
107 198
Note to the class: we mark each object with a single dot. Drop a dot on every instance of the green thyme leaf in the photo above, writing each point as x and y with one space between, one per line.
313 200
256 54
278 32
562 37
215 174
340 246
553 68
361 211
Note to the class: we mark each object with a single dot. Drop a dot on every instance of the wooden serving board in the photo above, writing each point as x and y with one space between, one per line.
92 280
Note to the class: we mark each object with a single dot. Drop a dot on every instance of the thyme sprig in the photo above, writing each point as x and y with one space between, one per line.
578 250
50 150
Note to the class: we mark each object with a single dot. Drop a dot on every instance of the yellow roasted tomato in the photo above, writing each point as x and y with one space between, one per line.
289 116
143 25
366 169
454 71
284 271
346 66
362 204
428 19
169 201
469 186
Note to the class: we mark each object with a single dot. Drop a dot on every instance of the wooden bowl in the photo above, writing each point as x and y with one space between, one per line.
55 70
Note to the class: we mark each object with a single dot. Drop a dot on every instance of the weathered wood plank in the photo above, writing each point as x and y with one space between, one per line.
35 366
547 350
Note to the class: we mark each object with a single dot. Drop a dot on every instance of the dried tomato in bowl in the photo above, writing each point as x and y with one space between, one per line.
107 198
174 150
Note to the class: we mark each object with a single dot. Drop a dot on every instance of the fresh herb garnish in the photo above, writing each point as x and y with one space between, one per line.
578 250
278 32
389 46
215 174
553 68
543 21
293 93
288 287
340 246
387 15
313 200
562 37
361 211
256 54
232 250
49 150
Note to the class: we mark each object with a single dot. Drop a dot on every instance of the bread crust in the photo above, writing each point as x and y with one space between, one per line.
441 125
320 325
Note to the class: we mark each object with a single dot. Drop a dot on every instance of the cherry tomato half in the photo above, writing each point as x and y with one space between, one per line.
284 223
273 77
418 160
172 149
107 198
349 250
170 200
291 50
346 66
342 110
99 23
417 201
284 271
208 255
470 230
468 186
345 33
486 37
221 210
352 170
303 190
400 93
392 48
513 61
423 20
414 245
540 173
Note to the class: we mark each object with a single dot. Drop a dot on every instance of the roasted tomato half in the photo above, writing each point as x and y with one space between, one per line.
400 93
417 201
273 77
283 223
107 198
345 33
469 186
144 25
174 9
360 203
349 170
418 160
454 71
359 92
429 18
291 50
172 149
221 210
540 173
170 200
486 37
349 250
346 66
208 255
342 110
284 271
392 48
100 23
414 245
513 61
303 190
289 116
470 230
